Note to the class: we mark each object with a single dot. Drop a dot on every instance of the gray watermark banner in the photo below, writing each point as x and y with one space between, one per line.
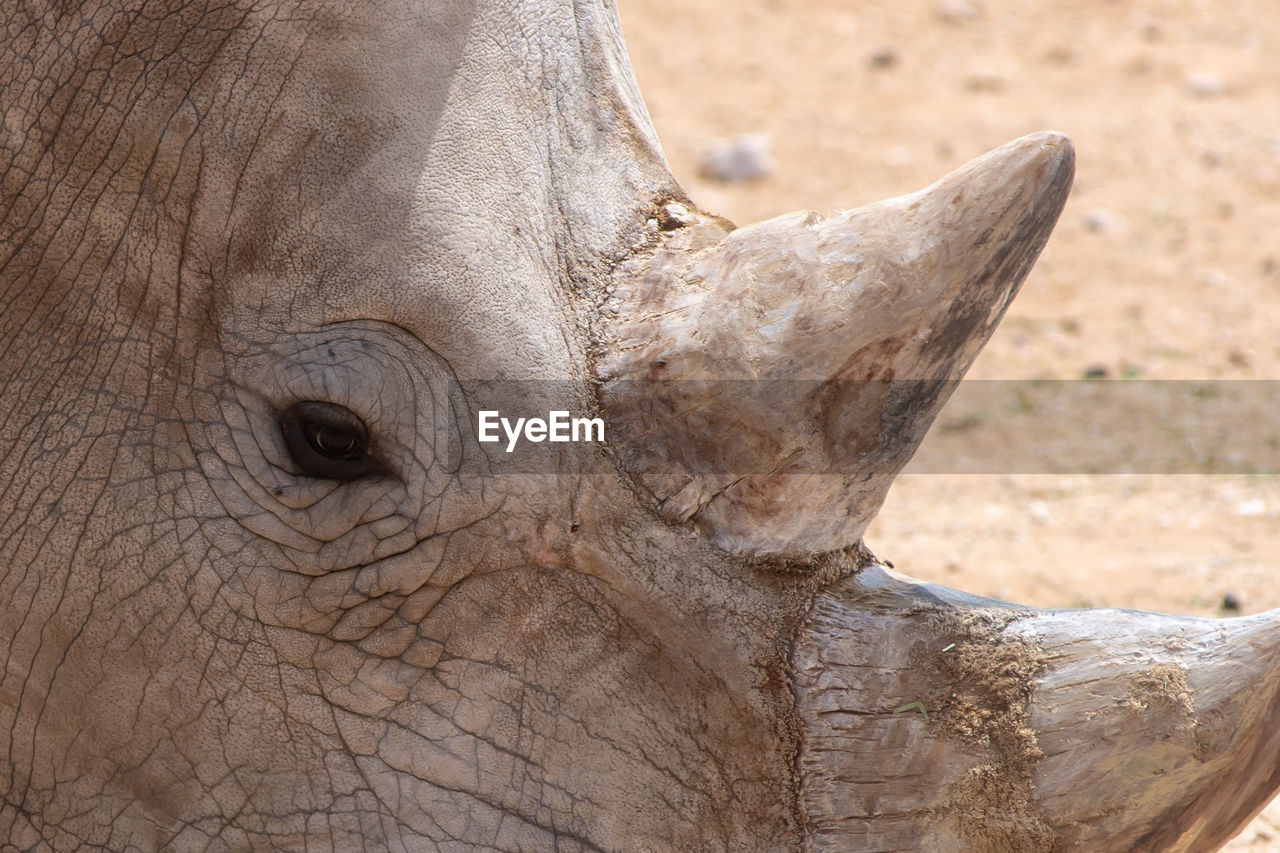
1131 426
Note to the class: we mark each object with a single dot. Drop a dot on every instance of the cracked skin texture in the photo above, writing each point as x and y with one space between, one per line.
211 210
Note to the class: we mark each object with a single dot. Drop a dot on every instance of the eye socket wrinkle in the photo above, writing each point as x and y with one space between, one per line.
327 441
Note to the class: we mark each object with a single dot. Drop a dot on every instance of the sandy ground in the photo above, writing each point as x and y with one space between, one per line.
1165 265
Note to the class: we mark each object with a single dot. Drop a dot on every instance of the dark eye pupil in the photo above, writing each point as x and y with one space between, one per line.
327 440
334 441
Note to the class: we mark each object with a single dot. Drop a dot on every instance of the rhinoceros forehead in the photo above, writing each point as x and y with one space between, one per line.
414 171
310 162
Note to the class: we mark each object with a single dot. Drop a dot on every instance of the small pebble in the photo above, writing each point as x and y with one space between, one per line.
955 11
1039 511
743 158
1204 85
985 81
1248 509
1102 221
1138 65
1230 602
884 58
1060 55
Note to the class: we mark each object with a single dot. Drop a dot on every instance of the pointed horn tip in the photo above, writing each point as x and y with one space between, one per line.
1048 139
1048 143
1049 150
1040 164
1059 149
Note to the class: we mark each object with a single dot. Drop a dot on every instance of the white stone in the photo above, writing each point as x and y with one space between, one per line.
1250 508
1205 84
743 158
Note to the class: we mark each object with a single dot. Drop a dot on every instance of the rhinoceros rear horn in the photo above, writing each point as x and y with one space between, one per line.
768 383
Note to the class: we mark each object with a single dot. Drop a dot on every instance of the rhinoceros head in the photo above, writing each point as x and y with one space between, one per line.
263 266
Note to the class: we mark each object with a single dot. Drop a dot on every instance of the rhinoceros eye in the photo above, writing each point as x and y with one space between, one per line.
327 441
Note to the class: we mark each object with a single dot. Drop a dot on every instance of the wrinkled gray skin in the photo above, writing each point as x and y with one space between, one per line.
209 211
416 211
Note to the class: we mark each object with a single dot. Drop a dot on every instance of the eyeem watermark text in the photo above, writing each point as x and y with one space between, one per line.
557 426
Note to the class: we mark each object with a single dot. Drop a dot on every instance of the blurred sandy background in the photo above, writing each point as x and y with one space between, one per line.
1165 265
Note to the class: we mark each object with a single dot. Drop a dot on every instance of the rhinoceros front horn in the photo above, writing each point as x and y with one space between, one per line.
768 383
